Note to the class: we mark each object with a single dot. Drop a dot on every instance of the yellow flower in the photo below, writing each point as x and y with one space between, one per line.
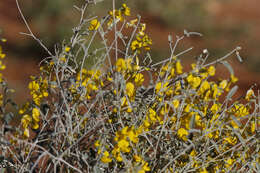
193 153
130 89
133 136
139 79
175 103
45 94
2 55
123 145
252 127
124 101
36 114
196 82
211 70
124 130
35 125
152 115
62 59
67 49
26 133
117 14
120 65
234 124
97 143
231 140
146 124
160 87
126 10
223 84
204 87
136 45
187 108
34 86
2 66
229 162
172 72
137 158
193 81
233 79
94 25
116 154
119 157
216 91
146 41
145 168
131 23
215 108
239 110
182 133
178 67
26 120
105 158
164 70
3 40
204 170
128 64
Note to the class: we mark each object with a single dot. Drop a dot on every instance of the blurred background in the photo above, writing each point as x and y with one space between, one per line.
224 25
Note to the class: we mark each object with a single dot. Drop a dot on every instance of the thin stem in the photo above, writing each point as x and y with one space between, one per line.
30 31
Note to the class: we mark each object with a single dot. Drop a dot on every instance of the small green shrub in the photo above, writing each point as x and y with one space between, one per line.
126 113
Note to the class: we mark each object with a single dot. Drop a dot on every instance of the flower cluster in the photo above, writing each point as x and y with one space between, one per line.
142 40
128 114
2 56
2 67
38 89
87 83
118 15
31 120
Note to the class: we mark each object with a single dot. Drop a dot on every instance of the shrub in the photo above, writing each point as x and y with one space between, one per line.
126 113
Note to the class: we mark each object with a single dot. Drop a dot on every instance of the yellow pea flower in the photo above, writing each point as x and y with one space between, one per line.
26 120
211 70
94 25
130 89
120 65
233 79
178 67
137 158
182 133
26 133
215 108
35 125
34 86
97 143
204 87
176 103
105 158
139 79
124 145
152 115
136 45
67 49
126 10
36 114
223 84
